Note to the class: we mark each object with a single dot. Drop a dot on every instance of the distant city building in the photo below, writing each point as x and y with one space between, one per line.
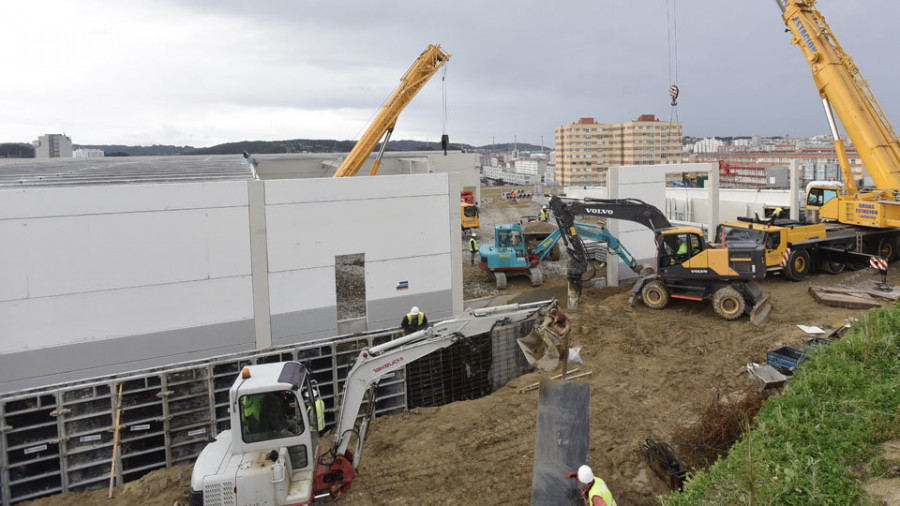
584 150
751 166
88 153
53 146
708 145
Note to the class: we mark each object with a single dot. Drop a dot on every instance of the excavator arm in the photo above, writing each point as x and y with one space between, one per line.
376 362
428 63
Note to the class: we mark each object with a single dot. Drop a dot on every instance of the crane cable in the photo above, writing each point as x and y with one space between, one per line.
445 138
672 40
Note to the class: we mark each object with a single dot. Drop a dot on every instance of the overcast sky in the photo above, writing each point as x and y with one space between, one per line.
204 72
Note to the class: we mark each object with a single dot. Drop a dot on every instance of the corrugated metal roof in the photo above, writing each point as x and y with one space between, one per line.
119 170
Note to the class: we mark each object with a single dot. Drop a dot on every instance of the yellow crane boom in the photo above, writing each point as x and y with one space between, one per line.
843 88
428 63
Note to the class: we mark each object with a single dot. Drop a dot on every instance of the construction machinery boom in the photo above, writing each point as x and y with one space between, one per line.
844 90
425 66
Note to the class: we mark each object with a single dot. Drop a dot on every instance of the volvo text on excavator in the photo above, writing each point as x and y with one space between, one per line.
687 267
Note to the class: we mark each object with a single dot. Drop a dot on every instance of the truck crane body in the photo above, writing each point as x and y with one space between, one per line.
687 267
425 66
273 454
844 91
845 225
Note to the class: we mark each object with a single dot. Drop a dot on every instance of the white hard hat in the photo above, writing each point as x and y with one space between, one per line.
585 475
474 234
414 310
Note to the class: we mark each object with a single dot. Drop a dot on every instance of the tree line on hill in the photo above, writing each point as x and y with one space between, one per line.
25 150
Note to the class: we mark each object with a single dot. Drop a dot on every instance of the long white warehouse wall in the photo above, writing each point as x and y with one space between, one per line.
96 280
95 277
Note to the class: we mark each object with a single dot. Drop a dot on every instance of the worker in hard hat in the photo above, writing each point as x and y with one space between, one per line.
473 248
544 215
414 321
593 490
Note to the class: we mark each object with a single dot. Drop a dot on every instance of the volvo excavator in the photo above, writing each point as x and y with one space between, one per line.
425 66
687 267
274 453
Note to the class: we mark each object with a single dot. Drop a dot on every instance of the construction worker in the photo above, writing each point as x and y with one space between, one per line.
593 490
251 412
473 247
320 409
414 321
544 214
776 214
514 196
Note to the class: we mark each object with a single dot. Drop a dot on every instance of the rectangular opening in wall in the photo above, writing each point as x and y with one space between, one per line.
350 285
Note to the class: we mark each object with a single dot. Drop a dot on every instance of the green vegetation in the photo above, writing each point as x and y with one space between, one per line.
817 441
16 150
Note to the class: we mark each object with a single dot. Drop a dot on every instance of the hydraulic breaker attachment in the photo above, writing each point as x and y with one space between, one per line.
545 344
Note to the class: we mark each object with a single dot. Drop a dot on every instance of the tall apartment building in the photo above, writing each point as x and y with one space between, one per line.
53 146
586 149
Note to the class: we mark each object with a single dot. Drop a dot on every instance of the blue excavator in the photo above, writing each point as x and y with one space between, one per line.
509 255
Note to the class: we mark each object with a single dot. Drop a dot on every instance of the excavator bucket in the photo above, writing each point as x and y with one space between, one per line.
761 310
543 346
762 304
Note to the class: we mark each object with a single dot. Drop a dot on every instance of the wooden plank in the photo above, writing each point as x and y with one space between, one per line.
562 441
841 298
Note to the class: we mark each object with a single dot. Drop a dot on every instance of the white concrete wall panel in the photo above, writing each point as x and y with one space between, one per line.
112 251
303 289
37 202
53 321
98 262
422 274
401 223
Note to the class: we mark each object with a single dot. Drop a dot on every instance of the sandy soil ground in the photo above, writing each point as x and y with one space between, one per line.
652 371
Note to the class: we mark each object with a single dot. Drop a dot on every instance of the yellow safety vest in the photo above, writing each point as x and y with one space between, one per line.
599 490
473 246
250 407
543 215
410 317
320 415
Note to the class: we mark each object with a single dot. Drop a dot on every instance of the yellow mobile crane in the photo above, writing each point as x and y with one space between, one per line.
843 89
860 225
412 81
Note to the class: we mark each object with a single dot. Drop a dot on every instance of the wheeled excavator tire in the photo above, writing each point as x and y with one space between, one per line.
729 303
655 294
501 280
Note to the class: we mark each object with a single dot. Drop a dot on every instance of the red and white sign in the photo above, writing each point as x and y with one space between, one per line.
878 263
785 257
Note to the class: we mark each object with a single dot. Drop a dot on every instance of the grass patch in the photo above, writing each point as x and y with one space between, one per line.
809 445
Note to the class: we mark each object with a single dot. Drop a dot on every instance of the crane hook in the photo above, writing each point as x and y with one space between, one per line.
673 92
